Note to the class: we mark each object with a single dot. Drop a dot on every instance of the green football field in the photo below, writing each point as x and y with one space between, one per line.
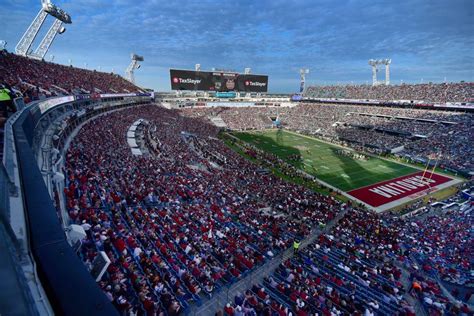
321 160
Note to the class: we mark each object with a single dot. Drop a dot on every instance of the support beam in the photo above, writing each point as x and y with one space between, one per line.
130 73
374 74
48 39
387 74
24 45
303 72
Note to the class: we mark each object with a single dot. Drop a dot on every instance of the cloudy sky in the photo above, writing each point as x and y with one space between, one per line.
426 39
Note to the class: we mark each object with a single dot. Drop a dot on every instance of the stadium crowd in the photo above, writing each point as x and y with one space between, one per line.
243 118
179 227
345 272
441 243
35 79
430 92
193 216
176 227
358 269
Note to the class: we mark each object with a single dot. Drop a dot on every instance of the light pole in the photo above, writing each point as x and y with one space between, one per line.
134 64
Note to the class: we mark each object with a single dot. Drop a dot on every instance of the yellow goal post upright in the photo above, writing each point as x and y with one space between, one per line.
430 158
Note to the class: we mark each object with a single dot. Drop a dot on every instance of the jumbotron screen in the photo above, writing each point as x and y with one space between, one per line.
217 81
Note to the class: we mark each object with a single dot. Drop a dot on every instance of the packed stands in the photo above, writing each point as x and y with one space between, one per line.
364 267
441 244
181 227
36 79
430 92
350 268
191 217
178 224
242 118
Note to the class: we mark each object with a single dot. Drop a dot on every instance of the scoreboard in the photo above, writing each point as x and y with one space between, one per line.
217 81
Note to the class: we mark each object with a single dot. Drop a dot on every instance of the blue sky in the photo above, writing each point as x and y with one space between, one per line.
427 40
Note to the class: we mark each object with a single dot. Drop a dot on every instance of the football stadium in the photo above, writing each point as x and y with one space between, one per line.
180 188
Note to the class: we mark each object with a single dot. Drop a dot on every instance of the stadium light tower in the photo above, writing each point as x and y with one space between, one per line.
23 47
374 63
3 44
303 73
197 67
130 72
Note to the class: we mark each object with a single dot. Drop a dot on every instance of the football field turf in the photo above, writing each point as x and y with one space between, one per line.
321 159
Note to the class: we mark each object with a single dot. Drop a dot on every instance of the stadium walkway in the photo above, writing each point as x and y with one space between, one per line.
15 296
225 295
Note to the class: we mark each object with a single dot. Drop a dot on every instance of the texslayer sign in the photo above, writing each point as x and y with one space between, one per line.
388 191
217 81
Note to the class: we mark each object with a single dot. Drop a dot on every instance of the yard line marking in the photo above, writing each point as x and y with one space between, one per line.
324 167
345 175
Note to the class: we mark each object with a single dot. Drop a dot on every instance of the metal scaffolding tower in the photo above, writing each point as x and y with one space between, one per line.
134 64
47 8
374 63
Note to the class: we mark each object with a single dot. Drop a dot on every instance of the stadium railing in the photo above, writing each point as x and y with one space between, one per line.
69 287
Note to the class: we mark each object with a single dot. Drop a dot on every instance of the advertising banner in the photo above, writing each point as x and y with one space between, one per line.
217 81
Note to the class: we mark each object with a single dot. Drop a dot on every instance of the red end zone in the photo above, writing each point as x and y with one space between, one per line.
388 191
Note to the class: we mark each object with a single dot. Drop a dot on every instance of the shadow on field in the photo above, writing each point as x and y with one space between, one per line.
274 146
336 178
349 165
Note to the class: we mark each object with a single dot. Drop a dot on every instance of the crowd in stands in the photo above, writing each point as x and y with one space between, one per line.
35 79
192 216
438 248
238 118
356 269
441 243
447 135
177 227
430 92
